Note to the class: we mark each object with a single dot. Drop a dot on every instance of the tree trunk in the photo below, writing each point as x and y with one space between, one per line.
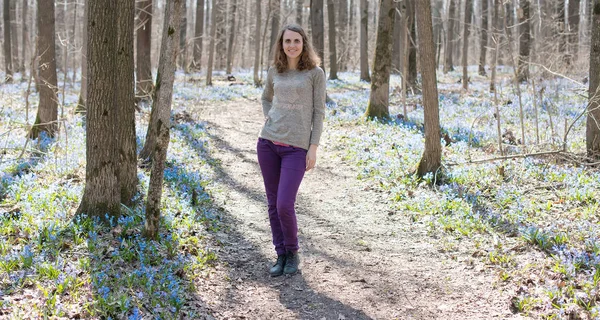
8 67
484 36
342 36
437 29
24 36
257 43
231 36
524 39
382 63
183 63
318 29
397 45
165 78
432 155
465 53
561 27
448 66
221 43
364 40
299 7
573 32
411 48
592 134
81 102
101 196
275 23
496 34
199 35
144 48
47 114
332 49
126 102
211 49
14 33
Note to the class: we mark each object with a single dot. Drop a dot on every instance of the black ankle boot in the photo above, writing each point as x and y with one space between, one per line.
292 261
277 269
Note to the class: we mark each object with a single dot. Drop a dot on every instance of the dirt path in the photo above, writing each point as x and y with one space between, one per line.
357 262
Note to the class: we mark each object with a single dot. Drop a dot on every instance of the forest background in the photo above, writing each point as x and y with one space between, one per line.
476 118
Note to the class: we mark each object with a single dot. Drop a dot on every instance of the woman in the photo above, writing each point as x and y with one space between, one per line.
293 104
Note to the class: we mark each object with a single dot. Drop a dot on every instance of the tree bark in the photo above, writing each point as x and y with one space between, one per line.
211 49
183 58
14 33
410 74
378 106
165 78
257 43
561 27
8 67
126 102
144 47
592 135
397 45
448 51
465 53
101 196
24 36
318 29
333 66
81 102
573 32
432 155
199 35
364 40
484 36
343 35
299 8
275 23
524 41
47 114
496 34
232 13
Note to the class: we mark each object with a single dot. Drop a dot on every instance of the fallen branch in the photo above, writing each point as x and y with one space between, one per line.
514 156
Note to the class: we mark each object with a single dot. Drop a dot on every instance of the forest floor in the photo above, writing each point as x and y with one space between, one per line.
356 261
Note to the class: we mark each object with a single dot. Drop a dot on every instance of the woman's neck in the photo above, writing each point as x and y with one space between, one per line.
293 64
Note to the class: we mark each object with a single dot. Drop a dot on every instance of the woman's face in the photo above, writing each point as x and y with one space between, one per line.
292 44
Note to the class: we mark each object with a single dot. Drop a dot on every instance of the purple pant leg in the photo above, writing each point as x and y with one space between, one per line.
282 169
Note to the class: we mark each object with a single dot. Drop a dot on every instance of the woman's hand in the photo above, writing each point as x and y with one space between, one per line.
311 157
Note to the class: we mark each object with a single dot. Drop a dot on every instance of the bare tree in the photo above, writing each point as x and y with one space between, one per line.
573 30
126 102
382 64
165 79
465 53
232 15
452 16
199 34
432 156
257 42
318 29
592 135
47 115
409 73
343 36
8 67
484 36
524 41
299 9
275 6
24 35
101 195
332 37
14 33
183 63
213 39
364 40
81 102
143 46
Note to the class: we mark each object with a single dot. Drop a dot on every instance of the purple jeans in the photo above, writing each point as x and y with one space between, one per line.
282 170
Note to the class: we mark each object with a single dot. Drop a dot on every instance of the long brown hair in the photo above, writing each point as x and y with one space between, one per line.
308 58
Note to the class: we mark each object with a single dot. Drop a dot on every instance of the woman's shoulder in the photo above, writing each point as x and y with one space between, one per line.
317 72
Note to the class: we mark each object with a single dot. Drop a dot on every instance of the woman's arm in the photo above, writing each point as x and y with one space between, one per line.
267 95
